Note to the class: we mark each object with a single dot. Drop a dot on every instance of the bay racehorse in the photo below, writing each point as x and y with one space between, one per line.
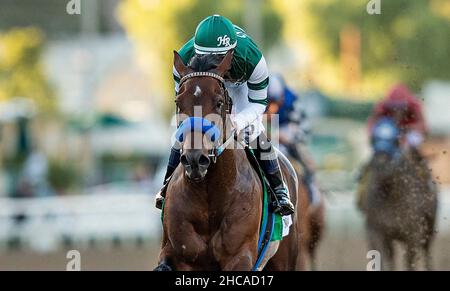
213 207
400 203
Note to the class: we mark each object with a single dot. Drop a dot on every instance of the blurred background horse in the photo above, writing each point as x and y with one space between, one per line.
312 222
400 202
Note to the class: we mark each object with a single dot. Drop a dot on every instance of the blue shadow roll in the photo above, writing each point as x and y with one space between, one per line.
198 124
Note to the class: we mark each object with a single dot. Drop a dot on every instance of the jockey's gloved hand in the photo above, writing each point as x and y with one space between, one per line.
414 138
238 127
239 123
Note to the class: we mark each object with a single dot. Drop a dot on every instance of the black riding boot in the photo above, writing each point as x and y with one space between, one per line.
268 161
174 160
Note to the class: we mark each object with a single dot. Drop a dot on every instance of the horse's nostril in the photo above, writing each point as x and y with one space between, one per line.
203 161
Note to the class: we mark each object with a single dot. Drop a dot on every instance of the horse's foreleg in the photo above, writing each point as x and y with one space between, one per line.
412 256
428 261
164 262
242 261
428 240
163 267
312 259
389 253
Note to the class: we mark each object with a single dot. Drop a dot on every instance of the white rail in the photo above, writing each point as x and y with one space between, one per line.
44 223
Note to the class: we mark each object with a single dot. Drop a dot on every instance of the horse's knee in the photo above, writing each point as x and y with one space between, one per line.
239 262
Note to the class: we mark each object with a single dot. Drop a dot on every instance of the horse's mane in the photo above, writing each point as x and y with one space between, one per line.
205 63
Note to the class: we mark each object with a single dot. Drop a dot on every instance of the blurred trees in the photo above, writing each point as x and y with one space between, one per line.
409 41
150 24
158 27
21 70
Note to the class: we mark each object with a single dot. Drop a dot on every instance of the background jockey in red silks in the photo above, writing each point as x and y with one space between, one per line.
405 109
294 130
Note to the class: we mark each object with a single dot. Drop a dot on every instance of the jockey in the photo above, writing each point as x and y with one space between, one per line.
294 128
401 105
247 83
292 119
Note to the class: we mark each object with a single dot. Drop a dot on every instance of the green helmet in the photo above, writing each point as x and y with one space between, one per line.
214 35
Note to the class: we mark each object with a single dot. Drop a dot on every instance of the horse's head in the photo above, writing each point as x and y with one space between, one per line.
202 105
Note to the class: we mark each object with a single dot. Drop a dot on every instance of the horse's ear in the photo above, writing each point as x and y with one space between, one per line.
181 68
225 65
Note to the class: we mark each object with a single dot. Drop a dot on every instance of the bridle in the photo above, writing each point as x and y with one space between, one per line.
216 151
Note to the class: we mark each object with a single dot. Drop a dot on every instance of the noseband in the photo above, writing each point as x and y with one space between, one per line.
203 125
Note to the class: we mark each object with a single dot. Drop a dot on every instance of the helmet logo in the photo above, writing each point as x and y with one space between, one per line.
223 40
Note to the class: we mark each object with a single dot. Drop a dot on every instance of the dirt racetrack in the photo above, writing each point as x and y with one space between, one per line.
343 247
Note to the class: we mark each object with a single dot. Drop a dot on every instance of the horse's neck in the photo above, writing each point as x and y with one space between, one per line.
223 180
226 166
389 177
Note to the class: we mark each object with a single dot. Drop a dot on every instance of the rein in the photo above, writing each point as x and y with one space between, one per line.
215 152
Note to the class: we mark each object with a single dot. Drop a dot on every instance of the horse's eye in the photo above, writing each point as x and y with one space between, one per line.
219 105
